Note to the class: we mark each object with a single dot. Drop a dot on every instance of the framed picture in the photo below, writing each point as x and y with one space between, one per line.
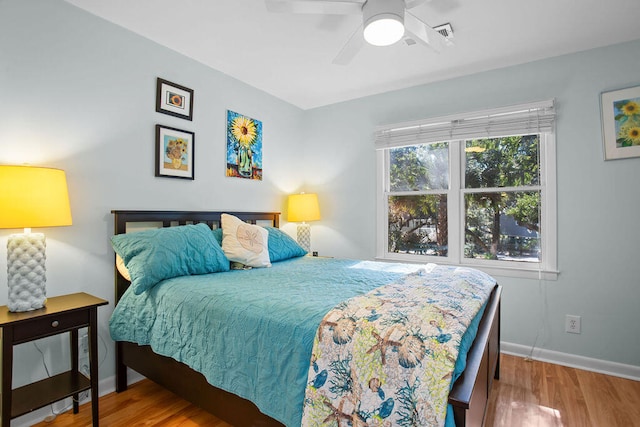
244 146
174 152
174 100
621 123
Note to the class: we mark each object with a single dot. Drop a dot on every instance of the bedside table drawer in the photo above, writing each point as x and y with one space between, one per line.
49 325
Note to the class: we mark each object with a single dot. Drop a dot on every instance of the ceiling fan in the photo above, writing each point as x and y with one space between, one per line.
384 22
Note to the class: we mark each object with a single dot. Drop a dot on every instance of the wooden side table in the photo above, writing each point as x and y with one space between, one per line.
66 313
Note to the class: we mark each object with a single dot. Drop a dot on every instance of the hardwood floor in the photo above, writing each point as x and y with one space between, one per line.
144 404
528 394
543 394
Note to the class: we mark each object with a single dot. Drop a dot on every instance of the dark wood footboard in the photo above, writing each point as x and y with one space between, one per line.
469 395
190 385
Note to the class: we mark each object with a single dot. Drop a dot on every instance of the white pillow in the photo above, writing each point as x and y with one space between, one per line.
124 272
244 243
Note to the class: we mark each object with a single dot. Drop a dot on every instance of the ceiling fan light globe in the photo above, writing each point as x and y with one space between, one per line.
384 30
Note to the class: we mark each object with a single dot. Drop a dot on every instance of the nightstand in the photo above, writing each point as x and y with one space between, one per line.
66 313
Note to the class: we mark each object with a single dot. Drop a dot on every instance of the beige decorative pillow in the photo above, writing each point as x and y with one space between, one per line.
244 243
122 268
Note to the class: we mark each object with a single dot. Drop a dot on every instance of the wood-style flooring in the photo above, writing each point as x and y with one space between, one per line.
532 394
528 394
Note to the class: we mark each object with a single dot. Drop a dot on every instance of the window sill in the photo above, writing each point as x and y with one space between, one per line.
532 272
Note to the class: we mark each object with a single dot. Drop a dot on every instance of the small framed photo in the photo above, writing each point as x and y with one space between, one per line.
621 123
174 100
174 152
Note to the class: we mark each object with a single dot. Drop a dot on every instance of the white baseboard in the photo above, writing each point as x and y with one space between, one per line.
631 372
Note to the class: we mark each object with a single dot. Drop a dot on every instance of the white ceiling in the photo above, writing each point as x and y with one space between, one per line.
289 56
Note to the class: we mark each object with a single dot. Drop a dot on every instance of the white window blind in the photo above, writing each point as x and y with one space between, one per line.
515 120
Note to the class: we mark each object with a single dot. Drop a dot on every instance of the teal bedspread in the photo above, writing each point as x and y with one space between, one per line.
250 332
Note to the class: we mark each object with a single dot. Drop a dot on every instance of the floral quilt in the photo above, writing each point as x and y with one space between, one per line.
387 357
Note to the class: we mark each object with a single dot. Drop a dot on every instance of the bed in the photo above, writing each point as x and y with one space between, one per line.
468 396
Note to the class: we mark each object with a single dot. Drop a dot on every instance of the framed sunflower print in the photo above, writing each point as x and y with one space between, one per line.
621 123
174 100
174 152
244 146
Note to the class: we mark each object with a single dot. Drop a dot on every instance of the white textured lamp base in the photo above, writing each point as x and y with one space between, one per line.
304 236
26 271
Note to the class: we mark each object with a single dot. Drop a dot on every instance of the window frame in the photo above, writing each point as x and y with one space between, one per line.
545 269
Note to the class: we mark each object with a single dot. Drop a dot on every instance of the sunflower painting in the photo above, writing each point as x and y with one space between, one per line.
627 117
621 123
244 146
174 152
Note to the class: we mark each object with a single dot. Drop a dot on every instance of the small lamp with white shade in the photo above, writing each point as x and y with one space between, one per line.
303 207
30 197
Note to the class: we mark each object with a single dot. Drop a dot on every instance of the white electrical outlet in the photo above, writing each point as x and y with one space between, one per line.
572 324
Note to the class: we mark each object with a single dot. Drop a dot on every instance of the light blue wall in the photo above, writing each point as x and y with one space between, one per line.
78 93
598 201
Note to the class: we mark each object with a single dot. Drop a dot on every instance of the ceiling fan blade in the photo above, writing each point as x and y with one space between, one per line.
424 33
328 7
350 49
413 3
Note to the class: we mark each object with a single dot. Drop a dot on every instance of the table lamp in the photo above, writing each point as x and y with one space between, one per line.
30 197
303 207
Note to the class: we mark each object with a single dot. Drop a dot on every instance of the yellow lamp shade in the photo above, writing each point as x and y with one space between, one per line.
303 207
33 197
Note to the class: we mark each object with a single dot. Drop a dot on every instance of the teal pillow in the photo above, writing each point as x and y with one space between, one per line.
217 233
155 255
281 246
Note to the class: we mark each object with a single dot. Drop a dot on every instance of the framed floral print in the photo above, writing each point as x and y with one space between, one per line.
174 152
244 146
621 123
174 100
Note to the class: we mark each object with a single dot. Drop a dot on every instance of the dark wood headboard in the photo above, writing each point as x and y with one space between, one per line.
172 218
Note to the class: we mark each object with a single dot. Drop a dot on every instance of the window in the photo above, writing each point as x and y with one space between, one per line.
475 189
